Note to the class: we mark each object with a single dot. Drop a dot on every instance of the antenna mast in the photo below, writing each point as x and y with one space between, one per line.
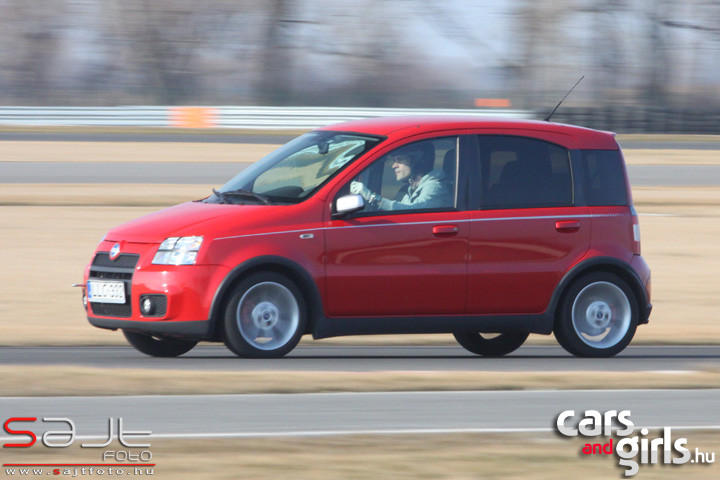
547 119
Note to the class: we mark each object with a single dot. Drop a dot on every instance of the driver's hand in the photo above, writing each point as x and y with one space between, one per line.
358 188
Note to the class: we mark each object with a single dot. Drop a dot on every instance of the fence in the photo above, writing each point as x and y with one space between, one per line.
261 118
617 119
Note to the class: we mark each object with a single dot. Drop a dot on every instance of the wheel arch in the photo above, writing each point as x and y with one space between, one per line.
267 263
602 264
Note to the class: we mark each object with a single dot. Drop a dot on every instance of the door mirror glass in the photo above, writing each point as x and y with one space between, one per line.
348 204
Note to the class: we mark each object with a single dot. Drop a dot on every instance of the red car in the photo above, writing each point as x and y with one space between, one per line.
489 230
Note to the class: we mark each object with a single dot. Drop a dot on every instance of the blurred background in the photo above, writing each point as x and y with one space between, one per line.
650 65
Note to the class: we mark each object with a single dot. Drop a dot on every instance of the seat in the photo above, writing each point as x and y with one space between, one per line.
449 164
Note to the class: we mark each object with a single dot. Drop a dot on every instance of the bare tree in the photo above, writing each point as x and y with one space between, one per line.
31 37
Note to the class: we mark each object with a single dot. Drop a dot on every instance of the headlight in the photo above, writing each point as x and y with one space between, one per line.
178 251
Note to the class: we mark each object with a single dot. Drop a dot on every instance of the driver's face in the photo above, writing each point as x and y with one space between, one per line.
401 166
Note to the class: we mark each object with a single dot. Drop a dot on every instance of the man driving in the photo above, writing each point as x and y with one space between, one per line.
426 188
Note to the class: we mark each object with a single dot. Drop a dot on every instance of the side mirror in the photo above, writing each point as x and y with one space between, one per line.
348 204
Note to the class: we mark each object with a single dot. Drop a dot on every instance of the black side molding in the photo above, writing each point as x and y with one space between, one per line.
196 330
336 327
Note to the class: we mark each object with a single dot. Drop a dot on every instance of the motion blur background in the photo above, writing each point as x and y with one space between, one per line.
650 65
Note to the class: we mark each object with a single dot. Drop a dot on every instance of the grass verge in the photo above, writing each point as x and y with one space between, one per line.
80 381
526 456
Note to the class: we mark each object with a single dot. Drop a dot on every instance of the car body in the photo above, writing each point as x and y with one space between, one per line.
535 233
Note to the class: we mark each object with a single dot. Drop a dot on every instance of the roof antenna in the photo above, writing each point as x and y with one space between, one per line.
547 119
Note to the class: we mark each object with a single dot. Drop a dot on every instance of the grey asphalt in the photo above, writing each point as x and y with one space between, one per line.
320 357
215 174
356 413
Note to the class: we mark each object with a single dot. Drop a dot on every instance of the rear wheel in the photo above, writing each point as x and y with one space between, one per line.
489 346
265 316
159 346
598 316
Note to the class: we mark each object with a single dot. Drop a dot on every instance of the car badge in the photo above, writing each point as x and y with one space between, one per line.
115 251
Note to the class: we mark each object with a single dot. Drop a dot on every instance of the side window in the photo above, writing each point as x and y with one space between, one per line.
417 176
519 172
604 178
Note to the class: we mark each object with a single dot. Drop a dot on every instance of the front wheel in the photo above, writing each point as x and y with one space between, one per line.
598 316
488 346
265 316
159 346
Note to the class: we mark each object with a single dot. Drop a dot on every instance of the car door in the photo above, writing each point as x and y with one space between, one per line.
409 262
524 231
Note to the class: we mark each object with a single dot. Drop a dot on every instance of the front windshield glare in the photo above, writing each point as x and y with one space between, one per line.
295 170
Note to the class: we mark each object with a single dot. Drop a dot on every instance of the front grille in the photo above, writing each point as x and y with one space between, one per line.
125 260
110 275
111 309
121 268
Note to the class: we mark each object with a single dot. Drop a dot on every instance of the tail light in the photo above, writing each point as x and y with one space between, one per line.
635 231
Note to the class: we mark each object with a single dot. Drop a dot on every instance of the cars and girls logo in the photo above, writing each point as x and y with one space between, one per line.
132 458
628 446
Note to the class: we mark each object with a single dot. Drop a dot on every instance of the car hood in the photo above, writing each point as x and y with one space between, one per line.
197 218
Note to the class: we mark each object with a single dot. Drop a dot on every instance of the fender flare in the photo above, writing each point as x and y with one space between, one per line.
293 270
608 264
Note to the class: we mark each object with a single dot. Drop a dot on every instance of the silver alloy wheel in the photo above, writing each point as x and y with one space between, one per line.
601 314
268 315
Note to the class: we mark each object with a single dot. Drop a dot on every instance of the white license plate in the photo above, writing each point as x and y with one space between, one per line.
106 292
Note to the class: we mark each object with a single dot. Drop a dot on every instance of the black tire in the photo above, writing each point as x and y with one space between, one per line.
265 316
159 346
598 316
497 346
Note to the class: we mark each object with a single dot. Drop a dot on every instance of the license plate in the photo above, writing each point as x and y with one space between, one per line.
106 292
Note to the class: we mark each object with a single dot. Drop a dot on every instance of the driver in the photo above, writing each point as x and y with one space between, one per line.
426 188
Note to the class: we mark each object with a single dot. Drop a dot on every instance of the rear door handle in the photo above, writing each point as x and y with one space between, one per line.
445 230
567 226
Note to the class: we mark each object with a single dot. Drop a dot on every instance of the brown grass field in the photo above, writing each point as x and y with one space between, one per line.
49 236
49 233
511 456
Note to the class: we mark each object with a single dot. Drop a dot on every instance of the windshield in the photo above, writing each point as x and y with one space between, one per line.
296 170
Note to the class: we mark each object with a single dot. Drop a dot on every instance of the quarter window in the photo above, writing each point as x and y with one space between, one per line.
604 178
519 172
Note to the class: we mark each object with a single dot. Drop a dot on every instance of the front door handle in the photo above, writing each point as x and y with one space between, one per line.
567 226
445 230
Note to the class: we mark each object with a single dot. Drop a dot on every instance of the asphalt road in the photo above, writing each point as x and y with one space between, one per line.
363 413
219 173
350 358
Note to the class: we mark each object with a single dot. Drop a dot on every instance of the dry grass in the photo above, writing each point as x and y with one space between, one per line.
49 234
68 380
526 456
672 157
45 249
175 152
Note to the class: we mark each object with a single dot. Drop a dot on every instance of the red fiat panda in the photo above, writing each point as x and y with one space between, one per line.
489 230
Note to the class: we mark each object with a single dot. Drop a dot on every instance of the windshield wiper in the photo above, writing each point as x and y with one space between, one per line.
220 195
242 193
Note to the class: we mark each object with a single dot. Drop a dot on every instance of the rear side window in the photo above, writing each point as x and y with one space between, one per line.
519 172
604 178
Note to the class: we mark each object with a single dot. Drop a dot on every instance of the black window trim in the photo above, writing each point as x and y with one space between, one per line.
461 188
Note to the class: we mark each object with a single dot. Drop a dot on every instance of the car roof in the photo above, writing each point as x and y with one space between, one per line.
407 125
